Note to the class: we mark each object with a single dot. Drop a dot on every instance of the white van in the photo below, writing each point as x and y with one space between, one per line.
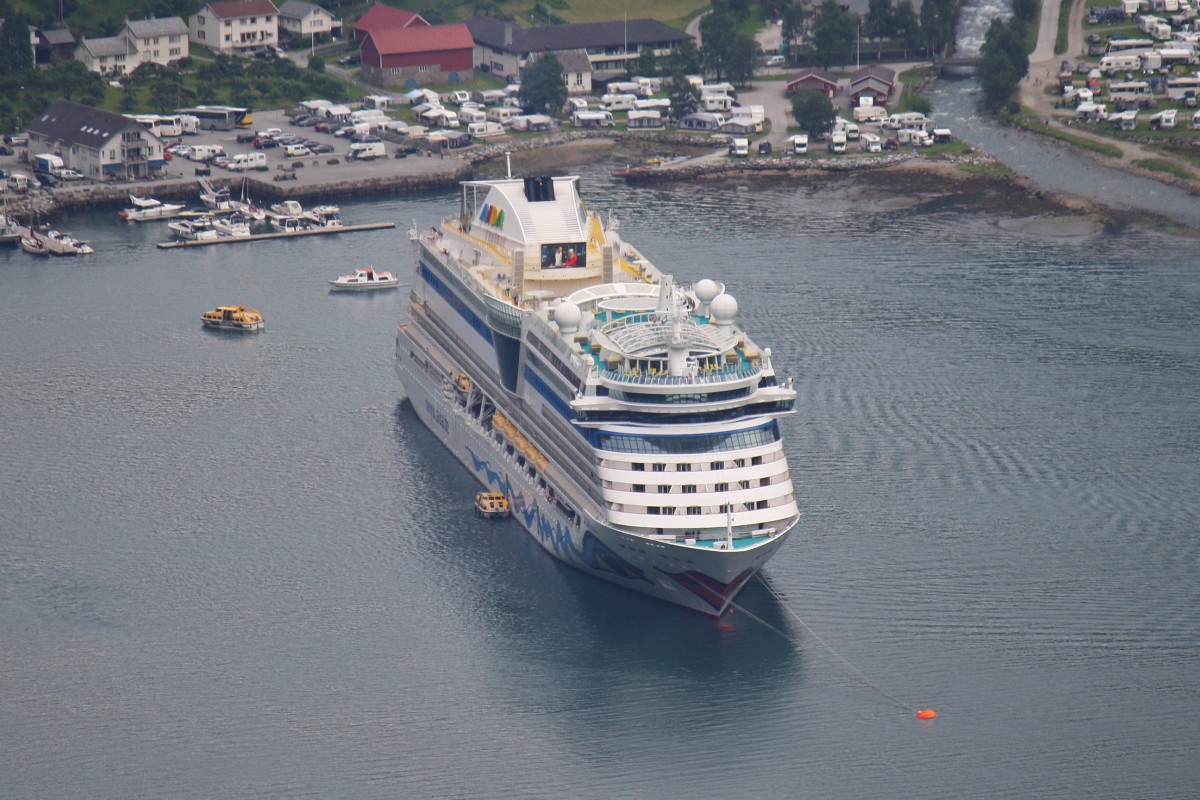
247 161
484 130
800 143
366 151
18 182
296 151
739 147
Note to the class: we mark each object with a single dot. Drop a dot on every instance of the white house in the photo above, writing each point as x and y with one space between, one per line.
307 20
142 41
235 27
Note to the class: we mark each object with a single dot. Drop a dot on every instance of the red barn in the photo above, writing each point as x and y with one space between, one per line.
415 56
380 18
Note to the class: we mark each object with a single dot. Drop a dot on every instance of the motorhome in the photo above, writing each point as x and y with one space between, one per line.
869 113
501 114
1163 120
489 97
577 104
484 130
1123 45
648 103
627 87
800 143
871 143
1091 112
716 102
365 151
242 162
469 115
592 119
739 147
459 97
906 119
379 102
1120 62
837 142
617 102
1129 90
203 152
718 88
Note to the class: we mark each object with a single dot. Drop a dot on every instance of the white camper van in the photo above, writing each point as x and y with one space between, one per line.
242 162
365 151
484 130
592 119
617 102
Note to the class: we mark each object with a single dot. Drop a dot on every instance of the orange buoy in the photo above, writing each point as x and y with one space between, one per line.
926 713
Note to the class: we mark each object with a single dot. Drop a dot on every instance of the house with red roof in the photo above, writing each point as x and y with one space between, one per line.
380 18
237 27
418 55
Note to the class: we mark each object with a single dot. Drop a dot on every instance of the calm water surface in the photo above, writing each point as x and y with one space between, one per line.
239 567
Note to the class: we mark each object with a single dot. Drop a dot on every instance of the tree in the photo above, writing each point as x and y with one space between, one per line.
740 61
71 80
543 87
792 22
813 111
939 18
880 20
1003 62
684 95
833 34
316 64
647 63
684 58
906 24
717 31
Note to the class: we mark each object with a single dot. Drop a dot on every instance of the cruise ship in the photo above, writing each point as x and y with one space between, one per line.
631 422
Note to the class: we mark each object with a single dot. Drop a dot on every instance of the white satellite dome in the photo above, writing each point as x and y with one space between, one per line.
568 316
724 309
706 290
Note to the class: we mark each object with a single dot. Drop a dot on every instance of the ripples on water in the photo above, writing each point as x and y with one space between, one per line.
238 567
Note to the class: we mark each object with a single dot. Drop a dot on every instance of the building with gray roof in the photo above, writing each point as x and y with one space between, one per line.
99 144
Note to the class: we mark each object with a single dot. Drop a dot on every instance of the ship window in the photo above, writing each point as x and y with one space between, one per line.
653 510
739 462
639 467
660 467
718 465
756 460
694 510
683 467
724 509
689 488
639 487
668 509
721 487
744 484
664 488
761 504
764 481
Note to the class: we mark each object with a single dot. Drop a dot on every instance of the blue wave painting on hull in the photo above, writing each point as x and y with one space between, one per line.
595 555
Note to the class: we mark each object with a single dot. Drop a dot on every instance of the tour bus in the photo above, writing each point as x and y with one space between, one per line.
1120 45
220 118
166 127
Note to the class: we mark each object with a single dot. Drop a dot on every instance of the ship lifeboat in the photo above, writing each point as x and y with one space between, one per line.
491 505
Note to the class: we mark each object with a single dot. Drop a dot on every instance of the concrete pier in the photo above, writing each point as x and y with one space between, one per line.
258 237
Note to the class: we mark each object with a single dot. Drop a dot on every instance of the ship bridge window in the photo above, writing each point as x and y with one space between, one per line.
697 443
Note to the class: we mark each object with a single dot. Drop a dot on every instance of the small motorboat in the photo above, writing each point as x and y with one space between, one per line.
365 279
491 505
234 225
325 216
233 318
147 208
194 230
63 244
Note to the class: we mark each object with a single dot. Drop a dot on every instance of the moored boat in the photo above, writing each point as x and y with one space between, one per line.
365 279
233 318
324 216
193 230
63 244
234 225
144 209
10 229
492 505
631 422
34 245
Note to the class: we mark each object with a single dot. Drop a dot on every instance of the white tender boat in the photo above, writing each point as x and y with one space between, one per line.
364 280
324 216
145 209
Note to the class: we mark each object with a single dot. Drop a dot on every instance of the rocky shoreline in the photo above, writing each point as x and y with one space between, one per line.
903 180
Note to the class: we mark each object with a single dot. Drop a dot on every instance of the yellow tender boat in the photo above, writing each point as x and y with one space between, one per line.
491 505
234 318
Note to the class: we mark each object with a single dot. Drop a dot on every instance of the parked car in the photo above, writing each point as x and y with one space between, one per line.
16 139
5 150
300 119
46 179
70 175
764 148
263 142
246 137
347 60
323 148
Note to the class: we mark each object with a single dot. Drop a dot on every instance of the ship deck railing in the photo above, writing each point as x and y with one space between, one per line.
637 377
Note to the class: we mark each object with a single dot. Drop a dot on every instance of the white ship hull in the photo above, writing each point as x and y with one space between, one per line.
698 578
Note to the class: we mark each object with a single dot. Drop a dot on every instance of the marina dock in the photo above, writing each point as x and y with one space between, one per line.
257 237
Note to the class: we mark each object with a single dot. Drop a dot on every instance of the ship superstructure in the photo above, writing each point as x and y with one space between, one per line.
630 421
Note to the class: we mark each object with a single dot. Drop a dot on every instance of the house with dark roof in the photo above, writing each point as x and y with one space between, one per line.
236 27
418 55
307 21
503 48
57 43
99 144
875 81
380 18
822 80
576 70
